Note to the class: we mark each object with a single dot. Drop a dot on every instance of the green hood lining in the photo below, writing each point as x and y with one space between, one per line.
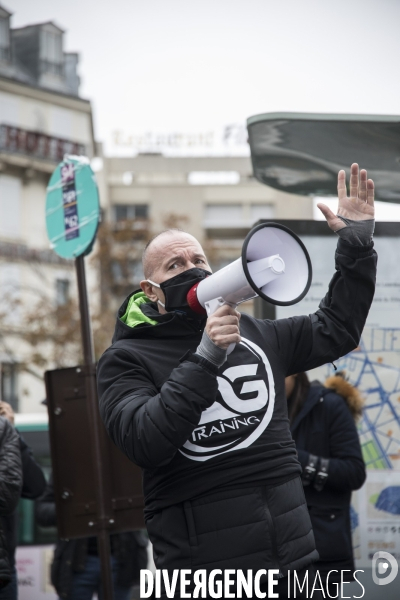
133 315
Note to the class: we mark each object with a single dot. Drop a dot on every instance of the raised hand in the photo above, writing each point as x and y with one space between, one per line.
358 206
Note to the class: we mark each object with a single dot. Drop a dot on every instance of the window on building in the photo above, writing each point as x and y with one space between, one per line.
127 178
223 215
121 212
51 52
10 200
213 178
124 212
261 211
4 38
136 271
62 291
141 211
9 384
117 272
127 273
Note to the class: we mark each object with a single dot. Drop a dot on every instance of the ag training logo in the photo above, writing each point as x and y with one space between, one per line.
243 408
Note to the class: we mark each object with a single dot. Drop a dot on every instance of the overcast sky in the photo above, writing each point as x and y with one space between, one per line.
194 66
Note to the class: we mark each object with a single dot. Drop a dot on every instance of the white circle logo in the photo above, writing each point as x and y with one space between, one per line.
242 410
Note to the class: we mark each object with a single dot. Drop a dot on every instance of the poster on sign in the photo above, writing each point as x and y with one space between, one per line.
72 208
33 573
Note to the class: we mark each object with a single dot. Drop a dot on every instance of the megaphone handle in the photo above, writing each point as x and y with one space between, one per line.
211 306
230 349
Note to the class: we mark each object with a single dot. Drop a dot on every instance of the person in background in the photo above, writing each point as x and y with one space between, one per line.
10 489
75 570
322 422
33 485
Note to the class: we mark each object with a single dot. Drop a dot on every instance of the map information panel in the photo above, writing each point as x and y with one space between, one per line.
374 368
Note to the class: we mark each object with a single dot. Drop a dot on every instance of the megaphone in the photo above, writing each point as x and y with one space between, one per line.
274 265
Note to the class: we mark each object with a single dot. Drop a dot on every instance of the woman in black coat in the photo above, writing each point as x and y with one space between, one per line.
10 489
323 426
33 485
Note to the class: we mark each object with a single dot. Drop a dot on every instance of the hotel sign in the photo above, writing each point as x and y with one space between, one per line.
37 145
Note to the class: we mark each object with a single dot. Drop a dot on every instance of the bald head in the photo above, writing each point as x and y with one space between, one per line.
168 254
149 259
155 249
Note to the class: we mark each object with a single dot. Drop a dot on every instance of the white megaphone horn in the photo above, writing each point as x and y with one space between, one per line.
274 265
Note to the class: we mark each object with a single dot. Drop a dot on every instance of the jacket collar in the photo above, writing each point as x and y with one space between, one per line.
171 325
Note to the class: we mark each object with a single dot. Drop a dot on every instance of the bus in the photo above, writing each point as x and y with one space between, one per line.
35 543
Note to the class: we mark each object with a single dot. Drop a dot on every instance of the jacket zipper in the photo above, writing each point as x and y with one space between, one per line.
270 523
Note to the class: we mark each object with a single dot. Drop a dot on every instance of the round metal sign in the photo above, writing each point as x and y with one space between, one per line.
72 208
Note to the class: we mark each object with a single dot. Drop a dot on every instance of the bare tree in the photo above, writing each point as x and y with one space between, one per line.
38 334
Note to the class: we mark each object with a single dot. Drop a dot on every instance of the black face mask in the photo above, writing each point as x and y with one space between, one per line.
176 290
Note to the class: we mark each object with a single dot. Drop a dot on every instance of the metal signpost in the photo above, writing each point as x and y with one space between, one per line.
72 217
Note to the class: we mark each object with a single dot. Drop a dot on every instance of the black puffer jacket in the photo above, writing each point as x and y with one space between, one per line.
33 485
209 438
325 428
129 549
10 486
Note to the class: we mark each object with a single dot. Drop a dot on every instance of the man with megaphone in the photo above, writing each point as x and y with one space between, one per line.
209 428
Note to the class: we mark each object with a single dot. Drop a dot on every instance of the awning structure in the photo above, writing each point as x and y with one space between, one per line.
301 153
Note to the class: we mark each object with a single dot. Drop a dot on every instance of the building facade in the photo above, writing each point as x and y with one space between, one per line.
216 199
42 118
